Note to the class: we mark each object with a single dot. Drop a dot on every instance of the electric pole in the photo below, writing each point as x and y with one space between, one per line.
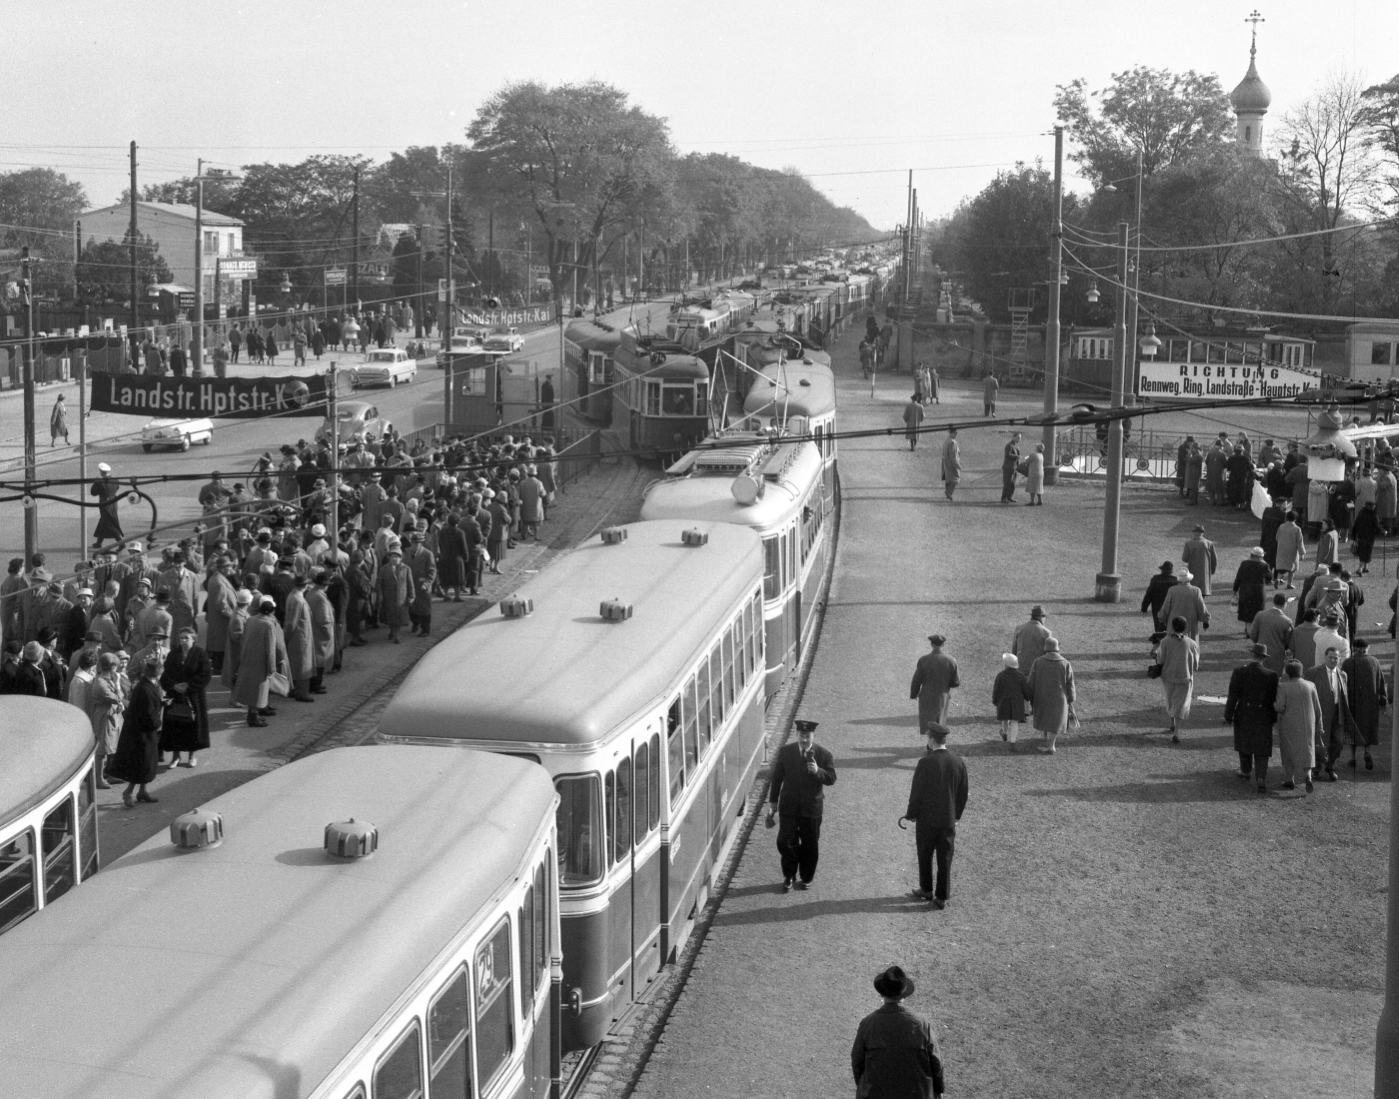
31 513
354 242
1109 583
1051 329
135 321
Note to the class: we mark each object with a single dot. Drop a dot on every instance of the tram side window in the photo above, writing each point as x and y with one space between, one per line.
791 539
541 926
1379 354
400 1073
759 633
449 1041
643 781
60 865
676 750
717 709
655 798
609 785
622 841
699 691
653 398
750 651
495 1015
728 646
678 399
580 830
736 644
772 569
17 892
87 824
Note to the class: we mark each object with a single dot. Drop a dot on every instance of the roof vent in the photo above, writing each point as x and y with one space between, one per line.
351 839
747 489
694 537
612 535
197 829
614 610
515 607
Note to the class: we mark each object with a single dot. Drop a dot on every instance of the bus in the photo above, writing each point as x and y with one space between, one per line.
773 485
631 669
48 804
287 958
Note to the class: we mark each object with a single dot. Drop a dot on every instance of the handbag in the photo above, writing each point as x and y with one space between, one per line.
279 684
180 708
1153 671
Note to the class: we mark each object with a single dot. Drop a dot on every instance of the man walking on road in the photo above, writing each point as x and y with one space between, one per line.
1200 559
988 395
1029 639
1010 463
951 463
933 680
935 803
913 416
895 1052
799 775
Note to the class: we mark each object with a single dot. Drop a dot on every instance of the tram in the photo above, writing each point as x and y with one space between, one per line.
265 966
773 486
590 350
799 398
48 805
631 669
661 394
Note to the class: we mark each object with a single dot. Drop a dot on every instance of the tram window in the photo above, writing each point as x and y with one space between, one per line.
17 893
772 584
541 927
60 866
675 749
701 394
1233 352
717 708
759 632
653 398
749 651
622 840
87 824
580 830
1216 351
818 439
1253 352
678 399
495 1014
728 645
643 787
1198 351
449 1041
699 687
1379 354
400 1074
736 639
609 785
655 798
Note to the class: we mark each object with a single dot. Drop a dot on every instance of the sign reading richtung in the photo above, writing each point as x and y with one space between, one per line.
1222 381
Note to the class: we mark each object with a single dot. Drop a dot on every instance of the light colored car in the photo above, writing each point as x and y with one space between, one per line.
463 339
176 434
384 366
357 420
508 341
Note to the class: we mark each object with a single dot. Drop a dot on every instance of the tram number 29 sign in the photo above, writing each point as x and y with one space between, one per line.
1222 381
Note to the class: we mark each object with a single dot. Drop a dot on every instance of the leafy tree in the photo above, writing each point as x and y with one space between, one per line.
1379 115
1169 116
35 203
103 273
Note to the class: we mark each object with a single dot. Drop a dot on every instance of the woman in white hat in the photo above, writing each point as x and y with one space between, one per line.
108 494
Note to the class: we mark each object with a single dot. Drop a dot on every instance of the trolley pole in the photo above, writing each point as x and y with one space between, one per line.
31 510
1108 583
82 451
1051 331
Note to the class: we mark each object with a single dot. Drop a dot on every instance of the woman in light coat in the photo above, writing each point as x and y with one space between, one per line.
1052 692
1291 551
219 607
1034 476
1179 658
107 698
237 622
1299 717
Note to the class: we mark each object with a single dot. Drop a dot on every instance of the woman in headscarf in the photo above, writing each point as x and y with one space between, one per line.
136 760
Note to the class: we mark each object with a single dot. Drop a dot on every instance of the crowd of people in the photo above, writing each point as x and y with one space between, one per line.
278 596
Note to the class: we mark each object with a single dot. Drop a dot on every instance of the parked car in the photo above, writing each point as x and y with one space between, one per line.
176 434
508 341
463 339
384 366
358 419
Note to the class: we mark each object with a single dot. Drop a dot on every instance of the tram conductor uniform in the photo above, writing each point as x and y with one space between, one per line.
800 774
935 804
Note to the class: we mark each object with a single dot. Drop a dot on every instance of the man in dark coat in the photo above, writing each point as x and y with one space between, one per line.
1368 697
1010 463
935 803
454 557
1156 590
934 678
799 775
109 495
895 1055
1249 707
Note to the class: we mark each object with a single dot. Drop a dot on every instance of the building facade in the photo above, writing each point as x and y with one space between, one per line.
171 225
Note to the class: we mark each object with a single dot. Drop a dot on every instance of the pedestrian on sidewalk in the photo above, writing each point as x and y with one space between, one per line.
138 748
800 774
1184 599
951 463
297 626
1299 717
178 361
1200 559
1368 697
1337 727
1292 548
235 343
1155 598
58 422
1365 531
1052 693
913 416
1028 641
395 588
1034 476
1009 693
1250 584
935 803
185 681
989 387
934 678
1249 708
1178 657
109 495
895 1052
262 653
1272 628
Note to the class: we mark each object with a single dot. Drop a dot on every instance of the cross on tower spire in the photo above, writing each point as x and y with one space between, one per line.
1255 18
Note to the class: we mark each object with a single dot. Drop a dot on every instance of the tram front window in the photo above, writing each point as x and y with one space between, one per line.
580 830
678 400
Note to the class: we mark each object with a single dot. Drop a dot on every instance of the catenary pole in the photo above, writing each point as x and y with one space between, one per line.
1109 583
354 244
135 318
1051 331
196 366
82 448
31 513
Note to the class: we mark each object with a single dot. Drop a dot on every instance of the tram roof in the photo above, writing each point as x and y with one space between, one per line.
250 970
803 389
562 675
42 745
710 497
595 337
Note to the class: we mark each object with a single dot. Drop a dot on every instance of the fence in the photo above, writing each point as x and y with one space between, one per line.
1150 454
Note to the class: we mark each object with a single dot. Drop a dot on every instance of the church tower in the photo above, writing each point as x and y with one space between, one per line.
1251 99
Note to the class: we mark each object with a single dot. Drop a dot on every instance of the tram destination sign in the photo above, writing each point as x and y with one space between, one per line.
235 398
1222 381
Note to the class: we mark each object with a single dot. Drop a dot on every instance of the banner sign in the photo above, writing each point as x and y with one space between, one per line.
238 268
504 318
198 398
1222 381
335 276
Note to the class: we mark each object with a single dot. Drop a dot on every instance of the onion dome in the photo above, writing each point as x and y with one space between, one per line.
1252 95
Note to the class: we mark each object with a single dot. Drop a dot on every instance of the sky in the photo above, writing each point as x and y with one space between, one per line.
852 95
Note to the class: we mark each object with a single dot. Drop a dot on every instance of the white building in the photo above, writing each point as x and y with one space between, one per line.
171 226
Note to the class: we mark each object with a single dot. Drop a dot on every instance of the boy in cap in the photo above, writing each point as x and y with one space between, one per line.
800 774
895 1051
935 803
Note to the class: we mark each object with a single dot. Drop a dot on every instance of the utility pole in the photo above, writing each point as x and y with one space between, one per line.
354 243
196 366
1051 328
135 321
81 359
1134 301
422 296
490 252
31 513
444 324
1109 583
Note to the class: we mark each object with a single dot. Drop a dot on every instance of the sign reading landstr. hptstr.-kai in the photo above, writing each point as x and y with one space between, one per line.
235 398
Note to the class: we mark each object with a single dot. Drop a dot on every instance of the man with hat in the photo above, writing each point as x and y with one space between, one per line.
155 617
1249 708
395 587
129 613
82 578
318 549
300 640
220 605
1029 639
935 803
1251 583
157 644
183 586
1331 637
261 653
895 1052
1186 600
109 495
233 638
1155 597
934 677
74 630
800 773
423 566
1272 628
1199 559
